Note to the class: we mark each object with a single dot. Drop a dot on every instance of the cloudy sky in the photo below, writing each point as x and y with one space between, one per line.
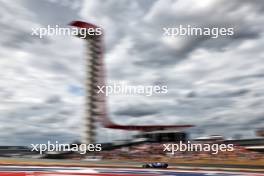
215 84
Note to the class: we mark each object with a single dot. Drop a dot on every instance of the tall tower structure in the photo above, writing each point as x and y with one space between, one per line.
95 105
95 99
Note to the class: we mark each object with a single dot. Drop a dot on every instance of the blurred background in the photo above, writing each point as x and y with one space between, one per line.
214 84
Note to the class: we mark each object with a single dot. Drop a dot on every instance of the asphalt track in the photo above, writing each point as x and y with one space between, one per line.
17 170
23 162
39 167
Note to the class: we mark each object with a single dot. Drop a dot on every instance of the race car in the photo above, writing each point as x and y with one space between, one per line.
155 165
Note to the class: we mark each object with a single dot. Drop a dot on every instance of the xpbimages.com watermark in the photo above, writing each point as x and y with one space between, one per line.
125 89
197 147
58 147
73 31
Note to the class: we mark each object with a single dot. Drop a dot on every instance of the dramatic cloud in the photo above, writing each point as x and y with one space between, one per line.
212 82
215 84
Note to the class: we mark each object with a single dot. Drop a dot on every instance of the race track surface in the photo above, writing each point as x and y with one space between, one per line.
17 170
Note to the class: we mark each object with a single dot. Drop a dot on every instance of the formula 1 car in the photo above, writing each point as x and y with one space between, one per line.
155 165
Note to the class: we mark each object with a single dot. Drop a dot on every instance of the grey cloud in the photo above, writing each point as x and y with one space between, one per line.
53 100
243 30
226 93
138 110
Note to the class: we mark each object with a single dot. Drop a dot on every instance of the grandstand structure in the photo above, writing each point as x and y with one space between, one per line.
96 107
